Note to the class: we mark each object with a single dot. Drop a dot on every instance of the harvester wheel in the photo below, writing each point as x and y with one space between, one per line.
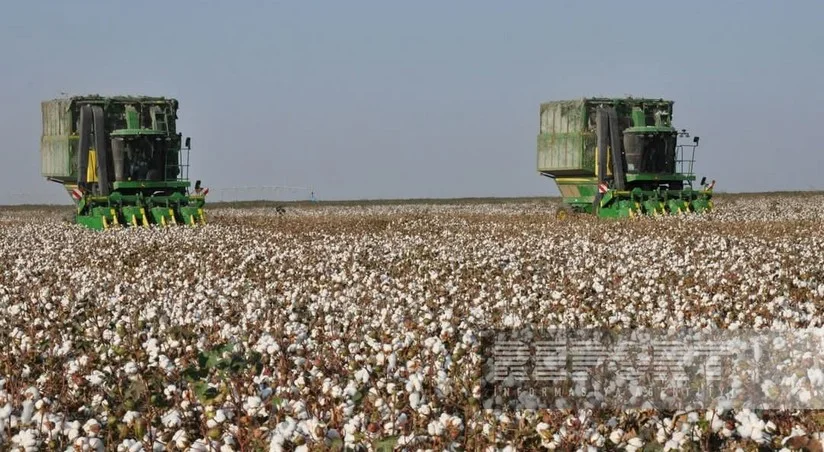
563 212
70 218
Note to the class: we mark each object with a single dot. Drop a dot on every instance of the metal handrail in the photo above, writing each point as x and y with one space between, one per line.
681 160
183 168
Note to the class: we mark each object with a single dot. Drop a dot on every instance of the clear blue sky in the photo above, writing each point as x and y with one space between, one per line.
376 99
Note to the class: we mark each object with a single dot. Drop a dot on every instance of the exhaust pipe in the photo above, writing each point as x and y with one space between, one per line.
85 129
602 131
102 150
616 143
118 154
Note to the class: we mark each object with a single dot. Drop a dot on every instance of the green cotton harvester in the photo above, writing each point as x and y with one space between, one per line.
121 160
619 158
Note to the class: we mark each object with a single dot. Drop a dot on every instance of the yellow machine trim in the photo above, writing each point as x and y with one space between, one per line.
609 161
91 171
575 180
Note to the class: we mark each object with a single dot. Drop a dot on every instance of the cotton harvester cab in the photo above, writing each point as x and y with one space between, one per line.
619 158
121 160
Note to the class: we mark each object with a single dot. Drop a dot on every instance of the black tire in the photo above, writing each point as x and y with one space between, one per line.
70 218
563 212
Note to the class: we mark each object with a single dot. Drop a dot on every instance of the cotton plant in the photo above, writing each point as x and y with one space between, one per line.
344 326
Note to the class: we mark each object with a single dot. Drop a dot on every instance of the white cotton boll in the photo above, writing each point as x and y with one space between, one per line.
435 428
716 423
253 406
362 376
202 445
337 391
804 395
634 444
287 428
91 427
616 436
661 435
757 434
26 439
816 377
512 320
5 411
180 439
73 430
96 378
171 419
672 445
125 445
437 346
276 443
130 417
165 363
350 428
130 368
414 400
28 411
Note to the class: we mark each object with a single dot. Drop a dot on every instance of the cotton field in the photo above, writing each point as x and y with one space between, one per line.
359 328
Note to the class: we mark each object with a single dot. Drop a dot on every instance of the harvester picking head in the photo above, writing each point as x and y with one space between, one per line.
619 158
121 160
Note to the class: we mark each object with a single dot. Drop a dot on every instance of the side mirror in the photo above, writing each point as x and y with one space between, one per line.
703 181
197 184
188 143
695 140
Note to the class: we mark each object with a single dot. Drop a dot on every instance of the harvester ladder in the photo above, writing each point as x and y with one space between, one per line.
685 164
180 162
